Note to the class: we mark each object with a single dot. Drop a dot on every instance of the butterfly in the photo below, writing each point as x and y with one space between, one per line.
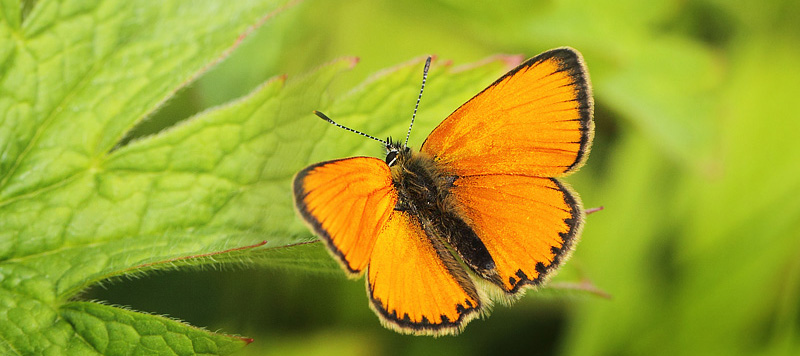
479 209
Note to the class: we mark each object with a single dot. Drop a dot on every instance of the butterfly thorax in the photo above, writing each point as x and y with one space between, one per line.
421 187
423 190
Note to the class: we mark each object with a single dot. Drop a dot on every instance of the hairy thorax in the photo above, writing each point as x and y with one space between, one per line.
422 189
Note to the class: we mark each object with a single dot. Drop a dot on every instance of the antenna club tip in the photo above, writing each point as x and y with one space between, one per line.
322 116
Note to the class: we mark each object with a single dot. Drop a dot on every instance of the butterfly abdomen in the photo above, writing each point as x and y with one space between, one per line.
424 190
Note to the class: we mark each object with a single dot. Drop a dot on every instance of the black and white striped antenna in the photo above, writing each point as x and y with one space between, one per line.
326 118
424 78
414 115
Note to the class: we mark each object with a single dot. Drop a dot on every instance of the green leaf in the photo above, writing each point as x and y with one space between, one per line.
75 77
80 204
116 331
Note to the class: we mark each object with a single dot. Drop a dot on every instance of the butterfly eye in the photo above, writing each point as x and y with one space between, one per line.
391 158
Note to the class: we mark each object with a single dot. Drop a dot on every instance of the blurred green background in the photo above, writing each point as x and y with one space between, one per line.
696 161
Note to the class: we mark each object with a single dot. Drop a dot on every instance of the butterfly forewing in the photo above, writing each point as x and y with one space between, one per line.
535 120
346 202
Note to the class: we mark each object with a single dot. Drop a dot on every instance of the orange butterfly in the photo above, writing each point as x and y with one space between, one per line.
483 187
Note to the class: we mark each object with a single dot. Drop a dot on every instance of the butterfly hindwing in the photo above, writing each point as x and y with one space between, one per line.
529 225
346 202
415 284
535 120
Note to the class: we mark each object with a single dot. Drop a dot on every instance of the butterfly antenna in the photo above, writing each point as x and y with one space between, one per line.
424 78
326 118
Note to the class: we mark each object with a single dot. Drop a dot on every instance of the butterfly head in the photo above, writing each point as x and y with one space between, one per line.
394 151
